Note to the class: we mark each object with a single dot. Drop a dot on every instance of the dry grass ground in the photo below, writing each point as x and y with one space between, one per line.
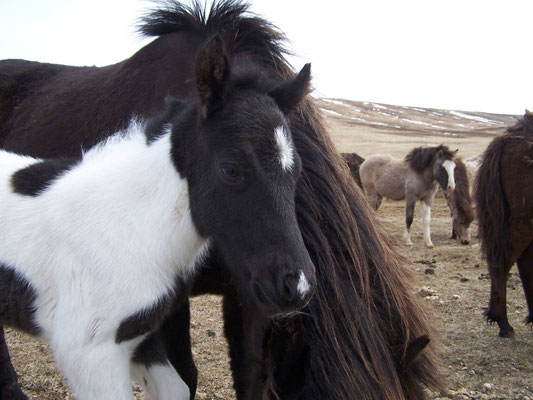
476 363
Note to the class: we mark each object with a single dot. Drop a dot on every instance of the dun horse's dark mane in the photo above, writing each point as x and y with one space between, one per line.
491 207
462 198
421 158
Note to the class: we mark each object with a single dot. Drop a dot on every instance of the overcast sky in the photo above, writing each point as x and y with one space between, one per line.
455 54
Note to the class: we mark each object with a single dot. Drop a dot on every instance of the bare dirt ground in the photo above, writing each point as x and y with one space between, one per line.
452 279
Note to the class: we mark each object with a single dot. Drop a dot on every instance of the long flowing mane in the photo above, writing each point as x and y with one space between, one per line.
349 339
462 198
492 207
420 158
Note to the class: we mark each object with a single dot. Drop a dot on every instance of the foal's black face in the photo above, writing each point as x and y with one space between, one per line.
242 180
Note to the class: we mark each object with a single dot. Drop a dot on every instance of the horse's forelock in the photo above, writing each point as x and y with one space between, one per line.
445 152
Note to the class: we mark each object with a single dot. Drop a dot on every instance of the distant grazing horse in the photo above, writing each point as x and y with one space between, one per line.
460 202
354 161
92 248
414 178
504 203
363 333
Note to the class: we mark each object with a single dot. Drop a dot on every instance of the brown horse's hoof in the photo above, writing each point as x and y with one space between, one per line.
430 246
507 332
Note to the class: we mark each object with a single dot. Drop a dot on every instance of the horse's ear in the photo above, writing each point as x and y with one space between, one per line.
289 94
212 72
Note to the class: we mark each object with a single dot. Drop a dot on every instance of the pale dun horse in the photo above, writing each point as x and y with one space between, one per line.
414 178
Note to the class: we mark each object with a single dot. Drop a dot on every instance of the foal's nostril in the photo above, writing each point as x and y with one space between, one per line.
290 292
465 242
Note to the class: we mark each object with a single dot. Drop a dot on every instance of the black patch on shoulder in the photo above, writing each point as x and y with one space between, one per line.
151 351
150 318
17 301
37 177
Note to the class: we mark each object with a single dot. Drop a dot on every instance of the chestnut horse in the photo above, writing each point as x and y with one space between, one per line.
504 203
363 333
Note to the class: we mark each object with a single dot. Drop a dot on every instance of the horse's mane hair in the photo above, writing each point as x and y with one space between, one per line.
462 198
364 301
523 127
421 157
491 205
244 33
363 315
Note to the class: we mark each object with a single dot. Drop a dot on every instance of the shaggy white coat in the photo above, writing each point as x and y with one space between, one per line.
104 241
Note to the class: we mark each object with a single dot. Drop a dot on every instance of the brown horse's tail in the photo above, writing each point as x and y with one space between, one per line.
492 207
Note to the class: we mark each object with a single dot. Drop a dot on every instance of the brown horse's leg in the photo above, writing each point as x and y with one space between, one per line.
525 267
9 387
497 311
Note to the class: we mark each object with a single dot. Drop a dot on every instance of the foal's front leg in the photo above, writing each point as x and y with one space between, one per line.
160 381
425 214
95 371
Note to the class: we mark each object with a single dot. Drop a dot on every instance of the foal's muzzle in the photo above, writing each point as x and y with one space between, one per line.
289 291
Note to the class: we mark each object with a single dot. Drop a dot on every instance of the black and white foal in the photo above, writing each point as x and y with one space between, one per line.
93 251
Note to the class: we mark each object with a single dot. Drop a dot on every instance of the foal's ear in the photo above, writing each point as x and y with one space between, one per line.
289 94
212 73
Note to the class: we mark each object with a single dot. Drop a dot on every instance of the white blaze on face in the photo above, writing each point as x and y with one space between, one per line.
303 285
285 148
449 166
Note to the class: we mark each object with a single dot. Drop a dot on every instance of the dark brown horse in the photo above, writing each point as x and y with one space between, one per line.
354 161
504 205
363 334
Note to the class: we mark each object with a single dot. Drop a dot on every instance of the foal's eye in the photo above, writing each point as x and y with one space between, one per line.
231 173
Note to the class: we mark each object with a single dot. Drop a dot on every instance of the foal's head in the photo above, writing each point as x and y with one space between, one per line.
242 167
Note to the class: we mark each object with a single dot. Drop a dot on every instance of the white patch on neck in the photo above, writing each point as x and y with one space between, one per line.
449 166
285 148
303 286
